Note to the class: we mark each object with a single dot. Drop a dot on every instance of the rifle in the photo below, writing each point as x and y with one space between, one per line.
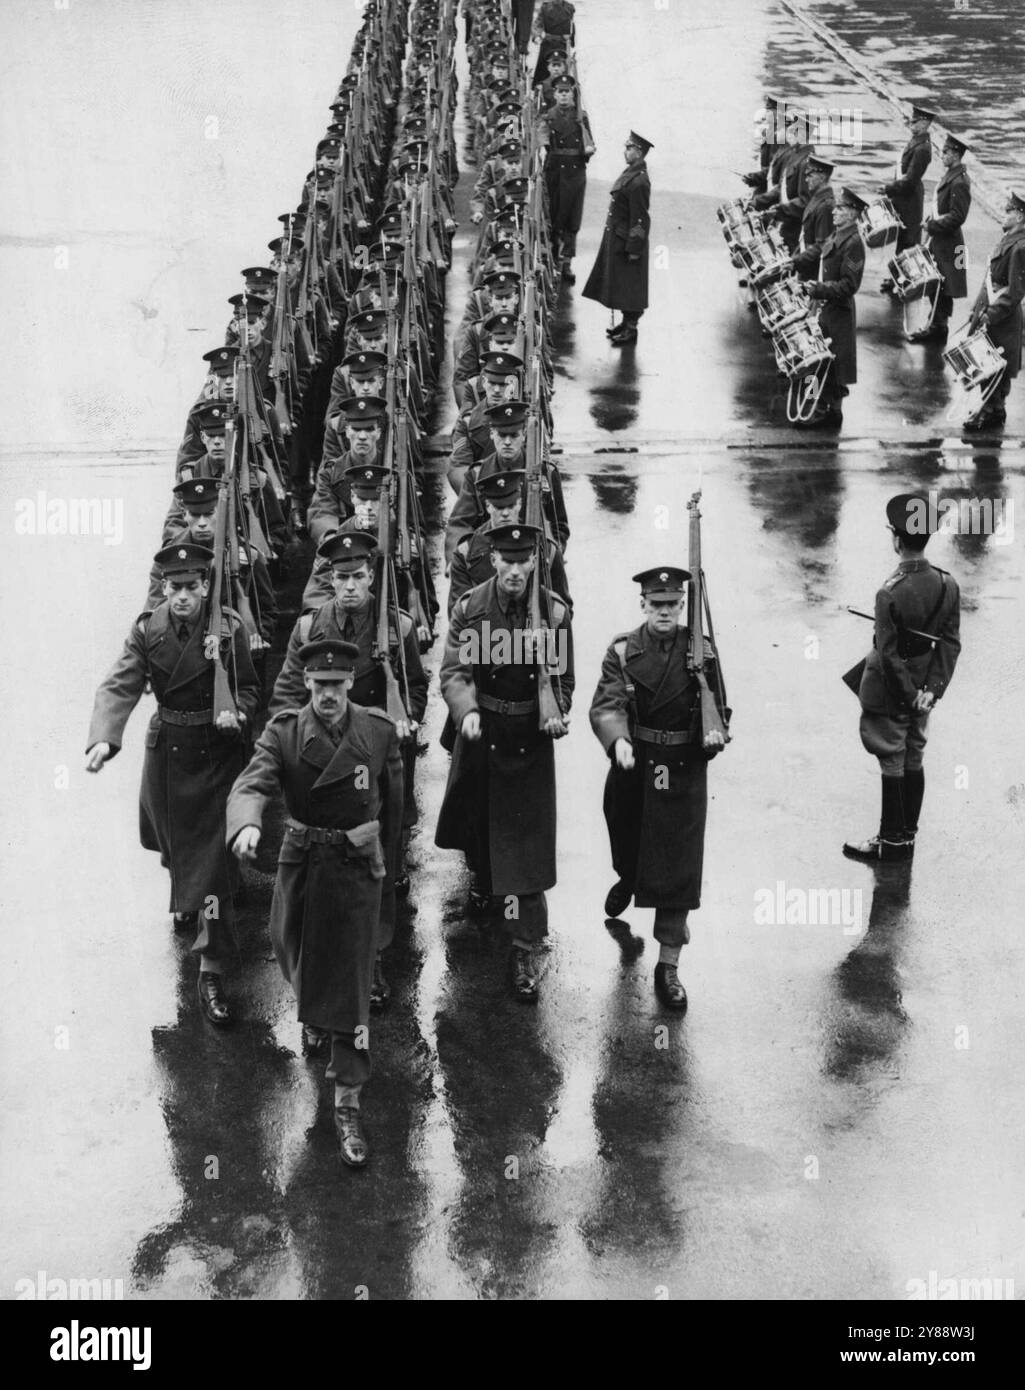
711 719
224 701
393 700
547 675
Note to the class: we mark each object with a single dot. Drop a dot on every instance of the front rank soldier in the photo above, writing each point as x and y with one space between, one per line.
906 192
502 494
841 268
998 309
499 805
646 713
352 616
945 239
198 502
193 752
914 651
337 765
567 134
817 219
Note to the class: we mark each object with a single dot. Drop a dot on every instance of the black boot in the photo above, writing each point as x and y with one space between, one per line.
914 791
892 842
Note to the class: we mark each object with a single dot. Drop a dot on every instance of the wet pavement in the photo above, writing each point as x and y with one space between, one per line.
840 1110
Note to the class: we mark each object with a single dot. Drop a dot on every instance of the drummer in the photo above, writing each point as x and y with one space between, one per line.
840 271
946 239
998 309
906 192
817 219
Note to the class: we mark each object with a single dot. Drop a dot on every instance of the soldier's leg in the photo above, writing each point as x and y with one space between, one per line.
914 773
672 934
886 737
349 1069
215 944
526 916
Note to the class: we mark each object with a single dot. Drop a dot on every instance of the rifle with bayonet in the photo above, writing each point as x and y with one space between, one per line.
548 681
715 715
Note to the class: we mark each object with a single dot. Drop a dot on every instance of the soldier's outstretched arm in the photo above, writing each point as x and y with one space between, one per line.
119 693
457 682
252 789
609 704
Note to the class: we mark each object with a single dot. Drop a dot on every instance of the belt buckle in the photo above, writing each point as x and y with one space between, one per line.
503 707
663 737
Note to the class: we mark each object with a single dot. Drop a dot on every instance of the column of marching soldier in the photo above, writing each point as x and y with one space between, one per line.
802 248
312 417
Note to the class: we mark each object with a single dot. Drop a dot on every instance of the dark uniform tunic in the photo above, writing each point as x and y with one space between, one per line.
920 596
327 904
499 805
841 269
565 169
944 236
469 510
789 192
816 229
189 767
615 280
906 192
655 813
471 565
1002 312
554 24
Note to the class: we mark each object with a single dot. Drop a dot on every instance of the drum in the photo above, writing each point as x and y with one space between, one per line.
801 349
765 257
914 273
782 302
978 366
879 224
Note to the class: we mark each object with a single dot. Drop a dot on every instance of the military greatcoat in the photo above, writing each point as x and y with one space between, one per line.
615 280
1003 312
944 236
906 191
840 272
324 921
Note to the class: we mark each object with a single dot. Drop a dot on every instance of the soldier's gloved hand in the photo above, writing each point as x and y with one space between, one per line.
556 727
256 642
470 728
405 728
97 756
228 722
476 217
623 752
246 842
713 742
923 701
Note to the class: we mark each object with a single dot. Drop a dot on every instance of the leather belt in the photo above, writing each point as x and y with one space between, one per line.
316 834
506 706
185 716
670 737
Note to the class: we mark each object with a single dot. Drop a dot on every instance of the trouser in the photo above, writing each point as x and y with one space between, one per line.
671 926
349 1064
631 317
944 309
897 740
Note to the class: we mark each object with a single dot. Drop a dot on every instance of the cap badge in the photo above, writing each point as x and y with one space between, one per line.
663 576
183 554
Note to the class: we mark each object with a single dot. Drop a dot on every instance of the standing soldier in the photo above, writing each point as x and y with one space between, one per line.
338 768
946 239
998 308
499 805
906 191
554 29
570 144
914 652
817 219
619 277
646 713
840 271
193 752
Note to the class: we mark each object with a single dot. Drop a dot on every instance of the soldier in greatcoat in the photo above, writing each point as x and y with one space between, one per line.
945 239
841 267
904 675
998 308
338 767
193 754
619 277
646 714
817 218
906 191
567 134
499 805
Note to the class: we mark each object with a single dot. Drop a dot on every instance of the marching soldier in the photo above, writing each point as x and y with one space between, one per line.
554 30
619 277
193 752
570 144
471 433
945 238
502 494
337 765
841 267
906 191
332 497
646 713
499 805
998 308
914 651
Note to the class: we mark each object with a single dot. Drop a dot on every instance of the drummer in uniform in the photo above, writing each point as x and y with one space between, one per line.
946 239
817 218
906 192
840 271
998 308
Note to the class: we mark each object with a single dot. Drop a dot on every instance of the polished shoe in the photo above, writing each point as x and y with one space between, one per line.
524 977
618 899
186 921
668 987
611 332
380 990
211 1000
624 338
877 850
352 1144
988 420
478 903
314 1041
402 886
